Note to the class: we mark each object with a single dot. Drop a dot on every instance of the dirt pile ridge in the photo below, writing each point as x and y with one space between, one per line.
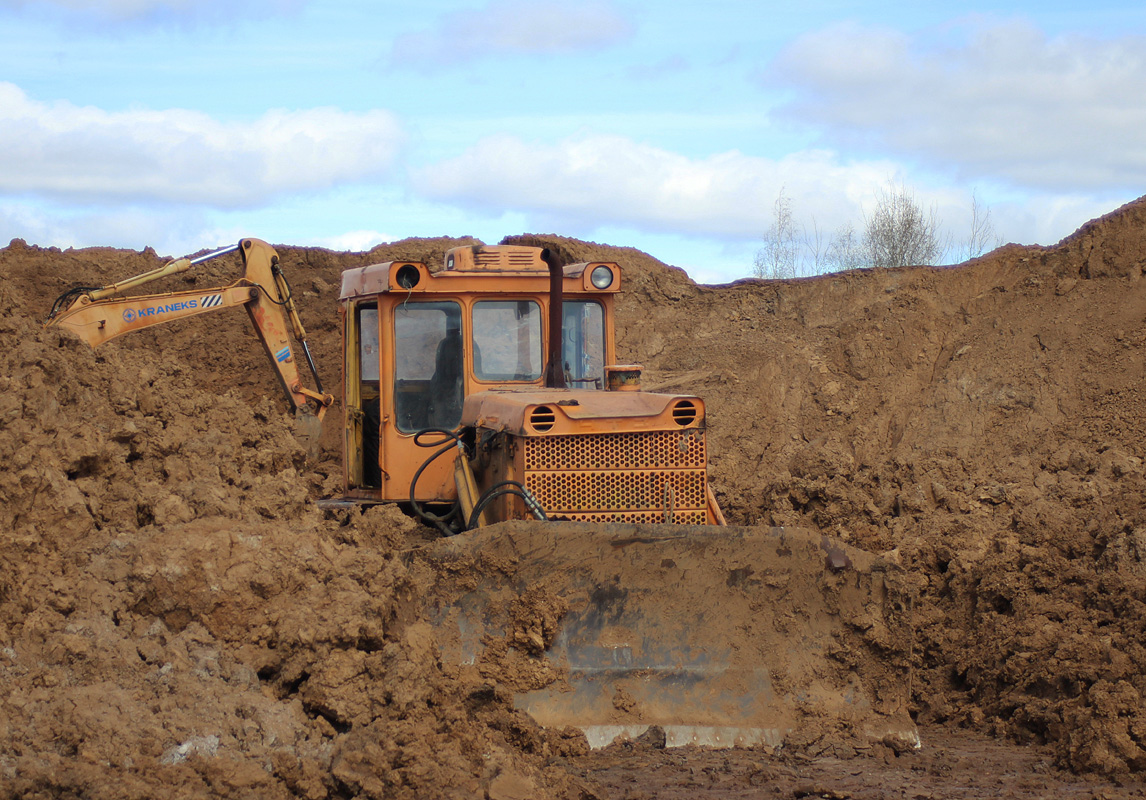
983 426
173 612
177 619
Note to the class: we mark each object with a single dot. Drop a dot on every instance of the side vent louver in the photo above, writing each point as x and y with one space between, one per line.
542 419
684 413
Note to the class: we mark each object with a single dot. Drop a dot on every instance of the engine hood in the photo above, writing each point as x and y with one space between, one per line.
543 411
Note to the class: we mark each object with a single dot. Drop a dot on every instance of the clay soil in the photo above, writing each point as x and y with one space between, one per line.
178 619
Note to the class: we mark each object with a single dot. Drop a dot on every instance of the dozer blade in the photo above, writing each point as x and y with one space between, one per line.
721 636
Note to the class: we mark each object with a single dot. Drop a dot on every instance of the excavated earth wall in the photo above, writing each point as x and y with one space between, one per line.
177 618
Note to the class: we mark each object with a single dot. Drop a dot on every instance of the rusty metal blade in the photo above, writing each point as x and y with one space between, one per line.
722 636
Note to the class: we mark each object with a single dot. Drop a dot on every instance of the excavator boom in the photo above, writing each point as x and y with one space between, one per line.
100 314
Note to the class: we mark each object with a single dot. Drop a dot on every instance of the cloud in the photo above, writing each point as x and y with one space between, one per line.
353 241
82 153
666 67
585 184
120 11
171 231
988 98
513 27
590 181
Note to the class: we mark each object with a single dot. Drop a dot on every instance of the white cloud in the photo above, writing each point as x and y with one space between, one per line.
513 27
352 241
1002 100
172 232
116 11
179 156
597 180
585 184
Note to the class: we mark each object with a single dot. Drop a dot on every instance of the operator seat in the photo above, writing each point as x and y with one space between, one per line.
445 406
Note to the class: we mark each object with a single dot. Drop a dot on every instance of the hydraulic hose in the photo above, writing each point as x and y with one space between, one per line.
69 297
503 488
441 522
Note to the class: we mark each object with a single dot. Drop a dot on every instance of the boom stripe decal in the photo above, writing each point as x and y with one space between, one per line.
212 300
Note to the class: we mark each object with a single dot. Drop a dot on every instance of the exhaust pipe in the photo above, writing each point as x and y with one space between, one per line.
555 369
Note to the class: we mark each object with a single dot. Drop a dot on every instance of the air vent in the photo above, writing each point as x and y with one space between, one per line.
542 419
684 413
522 260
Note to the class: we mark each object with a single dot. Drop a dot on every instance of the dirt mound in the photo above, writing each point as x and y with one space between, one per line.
173 613
983 426
176 619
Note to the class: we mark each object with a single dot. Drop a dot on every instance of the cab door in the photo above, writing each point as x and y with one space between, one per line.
361 371
425 365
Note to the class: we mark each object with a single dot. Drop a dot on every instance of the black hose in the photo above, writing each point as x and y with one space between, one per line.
267 294
277 271
441 522
503 488
69 297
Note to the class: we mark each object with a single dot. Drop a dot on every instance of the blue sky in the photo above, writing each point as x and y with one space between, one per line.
670 127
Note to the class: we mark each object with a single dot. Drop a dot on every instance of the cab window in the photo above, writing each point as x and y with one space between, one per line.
507 340
428 365
583 343
369 398
368 342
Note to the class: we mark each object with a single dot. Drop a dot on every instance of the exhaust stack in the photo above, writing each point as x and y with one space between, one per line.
554 369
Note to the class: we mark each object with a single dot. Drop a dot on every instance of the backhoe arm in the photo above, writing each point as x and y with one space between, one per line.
99 314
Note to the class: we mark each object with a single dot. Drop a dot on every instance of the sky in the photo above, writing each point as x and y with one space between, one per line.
668 126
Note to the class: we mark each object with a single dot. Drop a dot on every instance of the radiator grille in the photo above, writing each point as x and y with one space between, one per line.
656 476
653 450
693 517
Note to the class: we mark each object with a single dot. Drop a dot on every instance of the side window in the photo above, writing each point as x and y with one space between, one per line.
583 343
369 398
368 343
507 340
428 365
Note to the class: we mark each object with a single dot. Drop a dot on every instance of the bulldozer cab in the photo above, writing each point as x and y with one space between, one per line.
419 340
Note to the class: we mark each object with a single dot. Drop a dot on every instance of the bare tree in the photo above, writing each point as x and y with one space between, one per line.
899 233
845 251
780 254
982 237
816 245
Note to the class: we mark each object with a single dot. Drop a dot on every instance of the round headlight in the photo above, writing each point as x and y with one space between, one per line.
601 277
407 276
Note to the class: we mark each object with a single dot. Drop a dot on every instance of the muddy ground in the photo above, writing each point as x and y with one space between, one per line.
178 619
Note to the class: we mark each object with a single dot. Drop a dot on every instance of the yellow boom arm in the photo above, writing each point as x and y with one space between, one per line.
99 314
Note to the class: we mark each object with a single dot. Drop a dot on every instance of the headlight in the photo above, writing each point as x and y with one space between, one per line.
601 277
407 276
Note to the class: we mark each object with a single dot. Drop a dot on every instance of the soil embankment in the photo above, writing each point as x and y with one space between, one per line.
176 618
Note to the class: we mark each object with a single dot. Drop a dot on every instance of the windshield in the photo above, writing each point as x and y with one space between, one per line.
583 343
428 365
507 340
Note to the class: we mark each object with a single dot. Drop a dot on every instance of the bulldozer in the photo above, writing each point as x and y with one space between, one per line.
484 395
505 358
